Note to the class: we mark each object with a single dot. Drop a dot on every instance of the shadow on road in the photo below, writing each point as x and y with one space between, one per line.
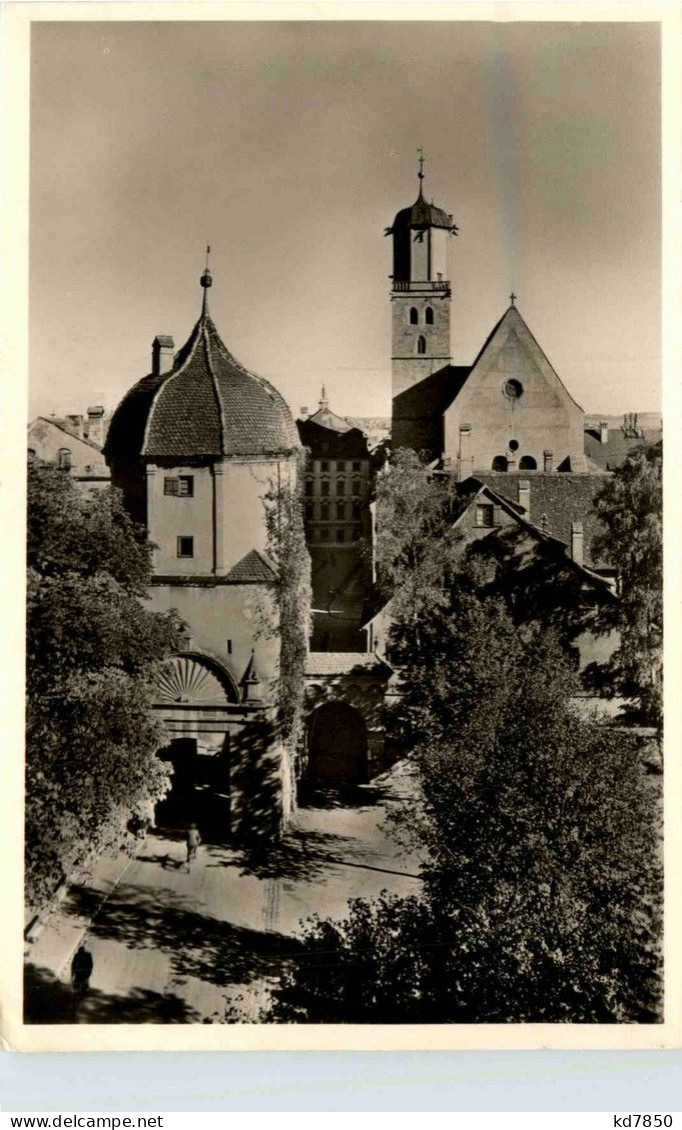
214 951
49 1001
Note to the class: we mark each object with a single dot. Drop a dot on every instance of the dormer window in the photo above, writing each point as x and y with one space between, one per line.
414 316
64 459
421 344
428 316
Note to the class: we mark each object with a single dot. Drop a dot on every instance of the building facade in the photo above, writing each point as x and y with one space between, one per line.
198 446
337 491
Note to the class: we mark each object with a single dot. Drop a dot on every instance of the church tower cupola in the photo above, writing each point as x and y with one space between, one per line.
420 292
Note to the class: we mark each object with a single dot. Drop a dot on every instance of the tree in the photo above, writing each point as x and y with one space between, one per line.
542 884
630 509
542 887
93 651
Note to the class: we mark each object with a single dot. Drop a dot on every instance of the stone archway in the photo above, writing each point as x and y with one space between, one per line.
193 692
337 745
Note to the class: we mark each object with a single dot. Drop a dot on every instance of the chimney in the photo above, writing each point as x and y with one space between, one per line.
466 459
548 457
303 414
162 354
77 424
577 542
96 425
524 494
603 431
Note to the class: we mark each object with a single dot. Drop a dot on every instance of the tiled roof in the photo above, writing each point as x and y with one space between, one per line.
563 498
619 444
64 425
422 214
253 568
208 404
344 663
325 418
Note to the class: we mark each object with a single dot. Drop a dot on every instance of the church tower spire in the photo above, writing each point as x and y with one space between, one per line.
420 291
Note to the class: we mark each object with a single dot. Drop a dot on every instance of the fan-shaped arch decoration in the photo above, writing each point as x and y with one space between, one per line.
190 679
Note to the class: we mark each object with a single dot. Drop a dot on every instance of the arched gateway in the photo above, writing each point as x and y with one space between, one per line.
337 745
205 718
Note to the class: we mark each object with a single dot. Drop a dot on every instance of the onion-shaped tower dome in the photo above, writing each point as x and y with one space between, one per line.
206 405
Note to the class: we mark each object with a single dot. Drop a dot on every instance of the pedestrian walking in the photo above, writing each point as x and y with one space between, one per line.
193 841
81 969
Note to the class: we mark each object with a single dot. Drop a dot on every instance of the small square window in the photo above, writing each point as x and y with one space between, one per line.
341 466
186 486
185 547
171 486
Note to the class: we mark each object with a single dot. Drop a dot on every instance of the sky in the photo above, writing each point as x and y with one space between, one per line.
290 146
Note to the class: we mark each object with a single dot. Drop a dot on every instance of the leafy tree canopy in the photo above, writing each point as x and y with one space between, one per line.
630 510
93 651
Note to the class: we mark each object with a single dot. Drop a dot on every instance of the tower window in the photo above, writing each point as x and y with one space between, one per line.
228 647
421 344
527 463
414 316
185 547
428 316
500 463
64 459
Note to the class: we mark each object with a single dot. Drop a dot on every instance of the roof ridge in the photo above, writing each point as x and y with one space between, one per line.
68 432
214 380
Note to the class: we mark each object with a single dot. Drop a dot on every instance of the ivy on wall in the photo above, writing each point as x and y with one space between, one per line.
286 548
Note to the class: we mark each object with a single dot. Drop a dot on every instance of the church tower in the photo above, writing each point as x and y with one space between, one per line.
420 294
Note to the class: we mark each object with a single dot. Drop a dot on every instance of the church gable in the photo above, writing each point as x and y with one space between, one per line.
513 412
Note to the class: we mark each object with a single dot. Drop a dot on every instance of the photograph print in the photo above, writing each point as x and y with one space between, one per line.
344 529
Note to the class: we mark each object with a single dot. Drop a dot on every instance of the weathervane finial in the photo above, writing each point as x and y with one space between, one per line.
206 281
420 174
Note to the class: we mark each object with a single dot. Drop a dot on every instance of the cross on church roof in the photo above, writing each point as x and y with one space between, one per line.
512 298
420 174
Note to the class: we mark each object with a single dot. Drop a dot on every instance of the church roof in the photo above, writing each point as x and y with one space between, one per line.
325 418
208 404
422 214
